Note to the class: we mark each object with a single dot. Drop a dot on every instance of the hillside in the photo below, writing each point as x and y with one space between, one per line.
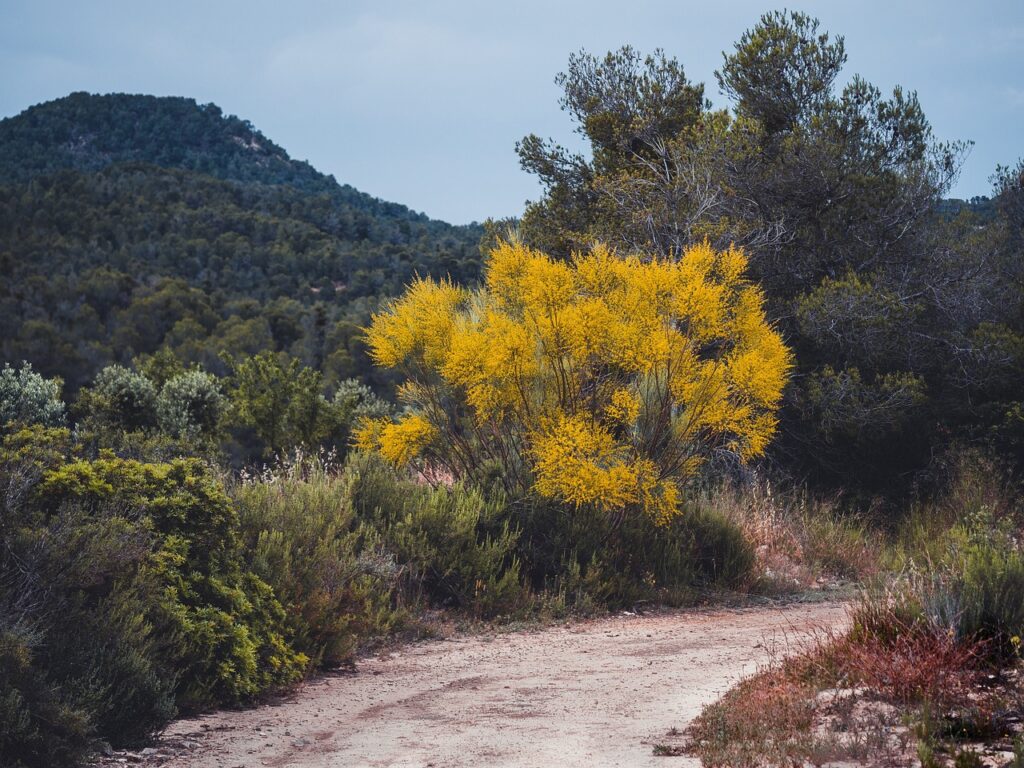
87 132
132 222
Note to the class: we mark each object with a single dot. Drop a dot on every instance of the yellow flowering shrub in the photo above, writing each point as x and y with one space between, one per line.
399 442
602 382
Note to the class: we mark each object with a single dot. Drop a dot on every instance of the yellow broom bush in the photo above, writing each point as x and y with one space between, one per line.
603 382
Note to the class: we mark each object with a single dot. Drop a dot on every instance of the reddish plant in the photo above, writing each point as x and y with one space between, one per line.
917 663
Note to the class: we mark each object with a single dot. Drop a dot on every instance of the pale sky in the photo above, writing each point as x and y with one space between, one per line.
421 102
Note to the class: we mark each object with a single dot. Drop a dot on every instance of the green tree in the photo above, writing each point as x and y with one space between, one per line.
261 393
159 367
282 402
782 71
625 105
834 193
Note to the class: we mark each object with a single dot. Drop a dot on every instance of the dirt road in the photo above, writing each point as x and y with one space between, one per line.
596 693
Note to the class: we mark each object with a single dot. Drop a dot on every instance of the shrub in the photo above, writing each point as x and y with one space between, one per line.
978 591
976 490
74 598
588 561
721 553
766 720
992 595
223 623
909 659
106 654
356 401
123 594
455 546
600 383
28 398
329 571
972 557
121 398
190 406
39 727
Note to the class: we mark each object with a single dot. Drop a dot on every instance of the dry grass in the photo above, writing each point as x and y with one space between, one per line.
800 542
913 682
893 691
780 718
909 659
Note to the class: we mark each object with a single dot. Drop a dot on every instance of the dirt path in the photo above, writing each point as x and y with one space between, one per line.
596 693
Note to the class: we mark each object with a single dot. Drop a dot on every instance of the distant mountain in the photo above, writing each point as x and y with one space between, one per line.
87 132
130 223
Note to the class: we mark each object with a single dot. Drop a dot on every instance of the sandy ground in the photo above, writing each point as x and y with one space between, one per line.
596 693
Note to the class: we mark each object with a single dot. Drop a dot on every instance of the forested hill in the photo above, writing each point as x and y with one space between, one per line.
87 132
128 223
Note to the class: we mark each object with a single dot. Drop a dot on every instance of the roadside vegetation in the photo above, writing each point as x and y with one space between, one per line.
929 672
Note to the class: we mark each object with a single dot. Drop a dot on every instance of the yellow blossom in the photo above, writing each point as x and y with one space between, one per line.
579 462
418 323
623 407
565 374
399 442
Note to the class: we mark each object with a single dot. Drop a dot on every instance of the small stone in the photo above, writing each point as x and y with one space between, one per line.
149 752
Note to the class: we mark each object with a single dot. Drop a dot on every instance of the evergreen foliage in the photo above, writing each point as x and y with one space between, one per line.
129 223
903 310
26 397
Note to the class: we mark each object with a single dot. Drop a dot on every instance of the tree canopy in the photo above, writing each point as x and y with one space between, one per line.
129 223
896 302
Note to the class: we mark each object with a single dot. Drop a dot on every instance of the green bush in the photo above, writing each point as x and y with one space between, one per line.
123 596
965 553
190 406
456 547
979 590
74 593
329 571
720 553
122 399
590 561
28 398
992 594
38 727
355 401
225 623
455 544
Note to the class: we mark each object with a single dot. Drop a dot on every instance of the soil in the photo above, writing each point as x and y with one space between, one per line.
591 693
